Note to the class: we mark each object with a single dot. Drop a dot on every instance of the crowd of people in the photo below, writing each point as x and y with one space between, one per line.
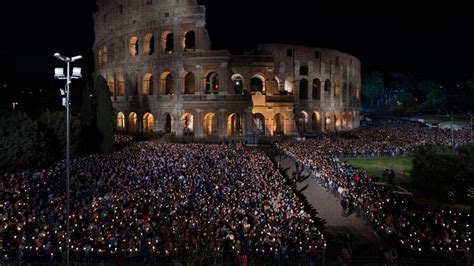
417 227
170 201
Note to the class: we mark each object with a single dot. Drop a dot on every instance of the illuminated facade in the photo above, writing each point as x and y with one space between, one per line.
163 77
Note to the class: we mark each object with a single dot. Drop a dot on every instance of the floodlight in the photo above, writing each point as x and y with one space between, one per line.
76 72
59 73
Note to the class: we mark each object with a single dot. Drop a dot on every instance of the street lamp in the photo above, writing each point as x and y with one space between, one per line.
59 74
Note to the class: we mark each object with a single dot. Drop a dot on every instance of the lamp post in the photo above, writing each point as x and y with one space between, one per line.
59 74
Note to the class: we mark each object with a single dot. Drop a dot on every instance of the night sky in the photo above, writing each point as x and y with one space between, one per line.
431 41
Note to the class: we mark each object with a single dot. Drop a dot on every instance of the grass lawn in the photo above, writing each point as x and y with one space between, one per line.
445 118
375 166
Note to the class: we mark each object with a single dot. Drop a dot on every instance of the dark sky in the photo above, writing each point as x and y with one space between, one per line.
433 41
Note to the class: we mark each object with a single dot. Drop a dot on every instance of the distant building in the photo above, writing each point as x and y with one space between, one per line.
163 77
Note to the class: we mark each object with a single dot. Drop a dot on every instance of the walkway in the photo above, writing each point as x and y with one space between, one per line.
365 242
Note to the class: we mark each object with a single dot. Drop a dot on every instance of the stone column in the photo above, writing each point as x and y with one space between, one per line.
222 119
323 121
198 80
199 123
223 75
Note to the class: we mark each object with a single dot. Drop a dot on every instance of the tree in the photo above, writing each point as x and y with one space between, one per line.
22 143
372 86
433 170
104 115
54 124
89 141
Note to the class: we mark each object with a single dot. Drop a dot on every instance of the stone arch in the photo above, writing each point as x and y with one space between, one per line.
120 122
278 124
111 84
316 89
132 122
289 85
167 42
167 83
302 121
212 82
187 123
337 89
238 82
189 83
210 124
259 120
349 120
133 46
189 41
344 119
168 123
327 121
148 123
99 57
121 85
316 121
303 89
148 84
337 120
234 125
257 83
327 88
149 44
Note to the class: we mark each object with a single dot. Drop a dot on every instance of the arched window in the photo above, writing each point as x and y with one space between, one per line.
337 89
278 124
189 84
328 120
316 121
210 124
167 42
132 123
168 123
148 84
302 121
105 57
189 41
99 57
316 89
289 85
133 46
187 123
121 85
238 82
303 89
167 83
149 45
148 123
257 84
212 83
120 122
111 85
327 88
259 121
234 125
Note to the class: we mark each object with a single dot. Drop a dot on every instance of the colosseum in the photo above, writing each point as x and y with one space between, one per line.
163 76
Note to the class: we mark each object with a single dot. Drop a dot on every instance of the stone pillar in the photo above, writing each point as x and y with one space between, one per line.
323 121
198 80
158 122
199 123
177 124
248 122
333 122
222 119
223 75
